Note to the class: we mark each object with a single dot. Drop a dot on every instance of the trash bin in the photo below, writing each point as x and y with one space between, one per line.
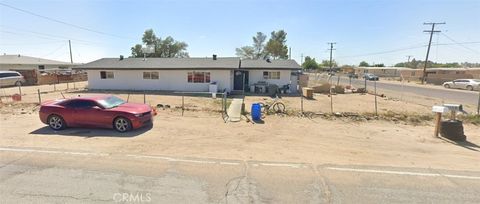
256 112
213 87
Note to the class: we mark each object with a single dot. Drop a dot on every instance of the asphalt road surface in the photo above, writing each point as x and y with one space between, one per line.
448 95
53 176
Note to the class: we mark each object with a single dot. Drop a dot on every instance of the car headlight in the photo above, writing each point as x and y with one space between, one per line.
138 115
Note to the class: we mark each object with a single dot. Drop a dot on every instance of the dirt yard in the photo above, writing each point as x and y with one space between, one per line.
202 133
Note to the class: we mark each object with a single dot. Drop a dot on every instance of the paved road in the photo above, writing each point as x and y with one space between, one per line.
52 176
448 95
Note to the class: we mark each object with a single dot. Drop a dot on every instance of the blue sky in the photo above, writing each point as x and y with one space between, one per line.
360 28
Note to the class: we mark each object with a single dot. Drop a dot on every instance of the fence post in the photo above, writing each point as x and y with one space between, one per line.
20 89
183 103
478 105
74 86
375 84
128 97
301 100
331 99
366 85
338 80
144 98
39 98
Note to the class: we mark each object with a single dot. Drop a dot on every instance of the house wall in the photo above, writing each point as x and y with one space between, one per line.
440 76
169 80
255 76
389 72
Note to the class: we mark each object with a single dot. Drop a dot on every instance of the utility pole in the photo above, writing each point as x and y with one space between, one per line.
70 47
428 49
301 59
290 53
331 49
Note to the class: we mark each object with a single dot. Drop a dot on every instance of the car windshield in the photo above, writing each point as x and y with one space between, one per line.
476 80
111 102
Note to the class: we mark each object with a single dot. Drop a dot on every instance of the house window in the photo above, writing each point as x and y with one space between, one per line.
271 75
150 75
41 67
198 77
106 75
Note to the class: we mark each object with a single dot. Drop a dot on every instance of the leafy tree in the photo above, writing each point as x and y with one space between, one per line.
246 52
326 63
259 45
276 45
256 51
363 64
168 48
310 63
379 65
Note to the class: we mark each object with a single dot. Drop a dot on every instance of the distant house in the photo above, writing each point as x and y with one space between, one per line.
21 62
40 71
188 74
381 71
440 75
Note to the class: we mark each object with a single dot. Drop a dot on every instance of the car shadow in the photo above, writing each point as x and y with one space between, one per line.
91 132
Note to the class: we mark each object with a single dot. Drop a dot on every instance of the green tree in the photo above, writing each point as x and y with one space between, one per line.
326 63
245 52
276 46
259 45
363 64
256 51
310 63
168 48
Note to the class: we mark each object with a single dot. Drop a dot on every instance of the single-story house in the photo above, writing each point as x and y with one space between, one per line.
441 75
21 62
38 71
381 71
188 74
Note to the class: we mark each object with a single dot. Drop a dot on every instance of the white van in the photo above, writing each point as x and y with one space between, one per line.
11 78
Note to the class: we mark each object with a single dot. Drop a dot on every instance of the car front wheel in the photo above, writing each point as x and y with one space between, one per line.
122 124
56 122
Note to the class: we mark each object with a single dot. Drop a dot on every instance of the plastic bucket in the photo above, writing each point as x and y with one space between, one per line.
256 112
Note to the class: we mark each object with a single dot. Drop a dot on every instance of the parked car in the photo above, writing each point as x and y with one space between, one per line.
370 77
469 84
352 75
11 78
105 111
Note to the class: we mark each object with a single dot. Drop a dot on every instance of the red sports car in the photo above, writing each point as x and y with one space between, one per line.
103 111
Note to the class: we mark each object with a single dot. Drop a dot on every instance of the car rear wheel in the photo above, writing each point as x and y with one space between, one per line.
122 124
446 86
470 88
56 122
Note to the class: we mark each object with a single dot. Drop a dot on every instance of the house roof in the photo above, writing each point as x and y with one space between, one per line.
20 59
162 63
272 64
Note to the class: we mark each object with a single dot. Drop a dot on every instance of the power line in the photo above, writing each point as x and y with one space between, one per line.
45 34
63 22
460 44
55 50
